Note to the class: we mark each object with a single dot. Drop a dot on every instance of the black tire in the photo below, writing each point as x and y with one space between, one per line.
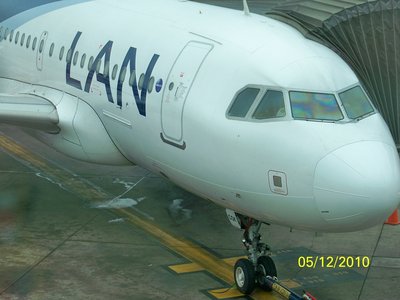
245 276
265 267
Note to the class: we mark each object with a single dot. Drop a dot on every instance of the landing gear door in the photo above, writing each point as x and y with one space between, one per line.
40 50
178 85
233 218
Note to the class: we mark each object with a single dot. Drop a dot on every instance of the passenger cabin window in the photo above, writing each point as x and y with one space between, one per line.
243 102
90 64
272 105
60 56
151 84
114 72
356 103
6 33
34 44
132 78
315 106
16 38
76 57
28 41
11 35
141 81
22 39
41 46
68 57
51 50
106 68
83 59
98 66
122 75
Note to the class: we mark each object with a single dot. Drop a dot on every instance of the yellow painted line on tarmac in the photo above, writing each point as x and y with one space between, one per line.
232 260
291 284
226 293
67 180
194 267
186 268
185 248
16 149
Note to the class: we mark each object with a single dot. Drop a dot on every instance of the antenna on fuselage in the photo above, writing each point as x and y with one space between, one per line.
246 8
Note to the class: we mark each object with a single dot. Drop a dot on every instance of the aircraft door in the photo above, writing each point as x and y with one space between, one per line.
177 88
40 50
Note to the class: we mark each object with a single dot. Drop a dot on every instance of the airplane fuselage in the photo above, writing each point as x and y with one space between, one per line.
155 80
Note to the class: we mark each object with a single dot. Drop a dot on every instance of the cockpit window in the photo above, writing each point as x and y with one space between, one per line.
243 102
356 103
271 106
315 106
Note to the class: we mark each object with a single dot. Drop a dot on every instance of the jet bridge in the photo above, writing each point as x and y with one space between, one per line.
366 34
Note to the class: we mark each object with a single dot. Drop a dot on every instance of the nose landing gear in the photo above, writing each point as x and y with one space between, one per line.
250 272
259 268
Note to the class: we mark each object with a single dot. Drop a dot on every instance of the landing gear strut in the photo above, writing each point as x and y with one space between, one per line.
252 271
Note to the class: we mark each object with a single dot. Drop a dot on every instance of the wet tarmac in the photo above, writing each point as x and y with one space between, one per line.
71 230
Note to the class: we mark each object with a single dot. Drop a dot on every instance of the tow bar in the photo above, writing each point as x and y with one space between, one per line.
285 292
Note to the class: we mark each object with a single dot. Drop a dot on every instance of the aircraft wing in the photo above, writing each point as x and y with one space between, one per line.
28 111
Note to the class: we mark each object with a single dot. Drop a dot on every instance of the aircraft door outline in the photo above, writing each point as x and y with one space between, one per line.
177 88
40 50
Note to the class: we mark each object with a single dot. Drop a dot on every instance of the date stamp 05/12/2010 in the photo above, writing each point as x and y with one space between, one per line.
333 262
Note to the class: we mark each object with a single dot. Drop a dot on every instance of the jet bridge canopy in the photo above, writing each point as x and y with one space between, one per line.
366 34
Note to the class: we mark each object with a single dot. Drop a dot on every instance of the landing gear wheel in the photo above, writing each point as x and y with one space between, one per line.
245 276
265 267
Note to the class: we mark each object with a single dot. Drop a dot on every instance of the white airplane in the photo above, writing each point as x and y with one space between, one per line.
234 107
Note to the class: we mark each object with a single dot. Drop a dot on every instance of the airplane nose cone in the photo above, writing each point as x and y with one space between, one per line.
357 185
